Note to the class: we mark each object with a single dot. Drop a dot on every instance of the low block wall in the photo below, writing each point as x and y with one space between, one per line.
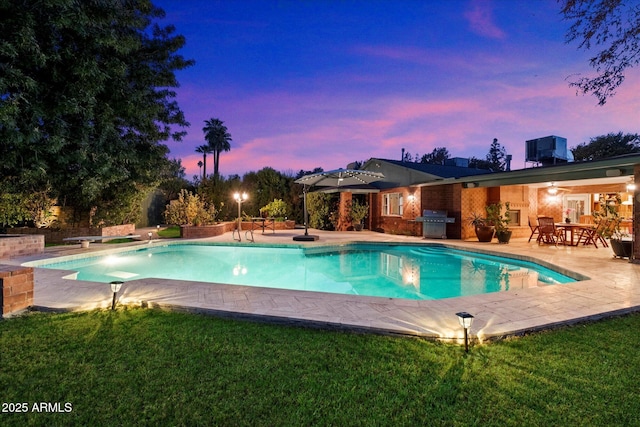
57 236
199 232
16 289
13 245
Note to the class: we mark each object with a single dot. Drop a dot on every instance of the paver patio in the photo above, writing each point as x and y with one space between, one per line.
613 288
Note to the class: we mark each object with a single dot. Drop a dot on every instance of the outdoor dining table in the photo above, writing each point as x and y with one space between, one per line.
263 223
574 229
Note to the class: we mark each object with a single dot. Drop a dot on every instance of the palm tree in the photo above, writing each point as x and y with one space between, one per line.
204 149
200 166
218 140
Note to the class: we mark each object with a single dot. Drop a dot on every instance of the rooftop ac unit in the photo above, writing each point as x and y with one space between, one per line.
549 150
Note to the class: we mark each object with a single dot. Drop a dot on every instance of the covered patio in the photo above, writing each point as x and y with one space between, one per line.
579 188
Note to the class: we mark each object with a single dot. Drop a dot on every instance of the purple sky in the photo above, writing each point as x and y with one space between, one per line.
305 84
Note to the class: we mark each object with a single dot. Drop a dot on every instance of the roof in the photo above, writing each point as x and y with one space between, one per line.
402 174
442 171
609 168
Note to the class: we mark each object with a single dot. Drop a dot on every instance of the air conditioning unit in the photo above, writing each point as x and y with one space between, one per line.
549 150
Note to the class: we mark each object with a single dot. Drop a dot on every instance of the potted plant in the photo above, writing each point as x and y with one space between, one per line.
500 220
621 244
484 230
357 212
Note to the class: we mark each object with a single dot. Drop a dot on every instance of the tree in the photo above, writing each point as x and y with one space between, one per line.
218 139
437 157
204 150
613 25
86 99
496 157
265 185
603 146
474 162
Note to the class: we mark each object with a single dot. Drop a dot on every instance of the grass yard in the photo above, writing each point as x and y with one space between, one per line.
172 232
153 367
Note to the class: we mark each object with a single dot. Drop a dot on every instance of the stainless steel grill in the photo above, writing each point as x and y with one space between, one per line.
434 224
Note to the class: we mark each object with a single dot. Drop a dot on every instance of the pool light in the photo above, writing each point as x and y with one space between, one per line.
465 320
115 287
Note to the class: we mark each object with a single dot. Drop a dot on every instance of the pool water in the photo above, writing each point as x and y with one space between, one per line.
394 271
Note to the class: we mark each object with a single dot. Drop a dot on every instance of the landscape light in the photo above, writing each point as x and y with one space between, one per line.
465 320
240 198
115 287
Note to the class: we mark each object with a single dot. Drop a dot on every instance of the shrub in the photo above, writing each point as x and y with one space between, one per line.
189 209
275 209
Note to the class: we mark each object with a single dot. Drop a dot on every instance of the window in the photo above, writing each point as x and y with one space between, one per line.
515 217
392 204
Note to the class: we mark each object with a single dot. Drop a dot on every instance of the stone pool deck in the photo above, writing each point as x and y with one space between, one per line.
613 288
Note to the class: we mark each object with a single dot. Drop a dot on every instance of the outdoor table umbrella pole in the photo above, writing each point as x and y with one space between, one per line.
305 190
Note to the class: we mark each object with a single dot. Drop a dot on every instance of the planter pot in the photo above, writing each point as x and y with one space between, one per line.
357 227
503 236
485 233
621 248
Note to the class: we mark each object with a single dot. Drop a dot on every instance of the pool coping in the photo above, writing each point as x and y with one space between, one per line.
610 290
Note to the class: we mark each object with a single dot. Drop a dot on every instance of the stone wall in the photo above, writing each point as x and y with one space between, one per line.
16 289
57 235
20 245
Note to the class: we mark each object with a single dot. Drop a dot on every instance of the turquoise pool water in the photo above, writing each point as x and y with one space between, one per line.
395 271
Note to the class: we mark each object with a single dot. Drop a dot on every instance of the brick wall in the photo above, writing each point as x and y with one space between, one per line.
396 224
473 201
16 288
445 198
200 232
17 245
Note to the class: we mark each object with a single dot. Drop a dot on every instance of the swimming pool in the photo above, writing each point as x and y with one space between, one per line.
385 270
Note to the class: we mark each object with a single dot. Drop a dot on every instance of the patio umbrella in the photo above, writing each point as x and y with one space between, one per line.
341 179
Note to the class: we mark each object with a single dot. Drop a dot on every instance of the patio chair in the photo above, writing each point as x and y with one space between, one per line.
533 225
590 235
549 233
586 219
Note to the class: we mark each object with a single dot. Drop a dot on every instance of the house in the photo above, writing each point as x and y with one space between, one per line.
577 187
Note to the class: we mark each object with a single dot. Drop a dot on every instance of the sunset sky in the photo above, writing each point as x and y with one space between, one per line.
322 83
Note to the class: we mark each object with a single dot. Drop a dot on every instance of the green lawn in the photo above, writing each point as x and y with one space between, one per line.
172 232
152 367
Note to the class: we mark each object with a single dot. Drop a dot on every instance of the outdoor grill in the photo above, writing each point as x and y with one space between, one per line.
434 224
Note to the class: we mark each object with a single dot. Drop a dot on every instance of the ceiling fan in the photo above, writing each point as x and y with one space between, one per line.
553 189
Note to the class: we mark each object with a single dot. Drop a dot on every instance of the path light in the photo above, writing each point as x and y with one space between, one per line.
115 287
465 320
150 234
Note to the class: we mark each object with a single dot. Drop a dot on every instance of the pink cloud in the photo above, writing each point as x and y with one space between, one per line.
481 21
290 131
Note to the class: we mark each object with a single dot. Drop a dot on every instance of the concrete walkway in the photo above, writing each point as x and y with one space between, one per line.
613 288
